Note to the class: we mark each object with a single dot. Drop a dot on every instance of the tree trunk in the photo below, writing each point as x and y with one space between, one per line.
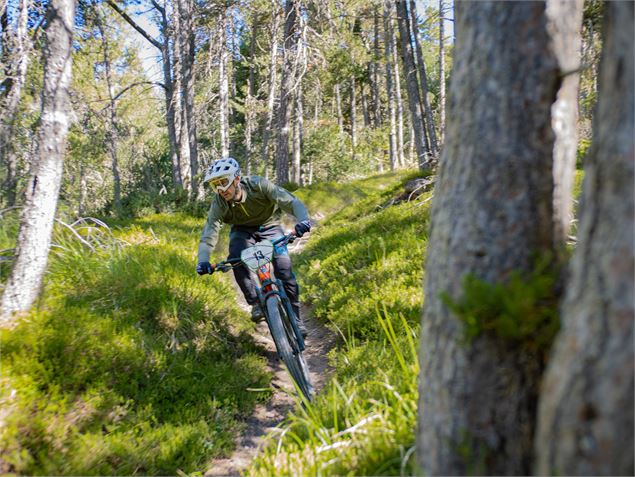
298 126
172 116
287 79
272 87
179 103
353 116
16 51
492 216
365 112
425 104
36 224
375 73
186 40
388 49
441 71
338 107
586 409
250 107
401 161
111 134
565 26
414 100
224 85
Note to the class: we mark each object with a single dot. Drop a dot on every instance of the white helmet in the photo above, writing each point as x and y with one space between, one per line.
222 173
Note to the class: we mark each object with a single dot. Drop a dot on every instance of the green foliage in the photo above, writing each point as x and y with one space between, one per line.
132 364
362 271
522 312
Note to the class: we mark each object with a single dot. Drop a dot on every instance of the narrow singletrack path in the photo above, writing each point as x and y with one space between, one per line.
267 416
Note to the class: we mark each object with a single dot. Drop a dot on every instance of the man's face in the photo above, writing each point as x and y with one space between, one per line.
231 192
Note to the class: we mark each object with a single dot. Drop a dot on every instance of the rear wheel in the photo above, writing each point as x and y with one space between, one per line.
287 345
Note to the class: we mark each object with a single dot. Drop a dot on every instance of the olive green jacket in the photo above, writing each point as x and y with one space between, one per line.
262 204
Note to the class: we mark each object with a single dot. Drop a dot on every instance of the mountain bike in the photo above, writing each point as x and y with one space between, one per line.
276 307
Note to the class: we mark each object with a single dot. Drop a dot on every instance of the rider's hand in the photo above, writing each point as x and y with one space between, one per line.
204 268
302 227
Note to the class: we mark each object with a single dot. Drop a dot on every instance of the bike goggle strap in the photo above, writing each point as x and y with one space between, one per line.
221 184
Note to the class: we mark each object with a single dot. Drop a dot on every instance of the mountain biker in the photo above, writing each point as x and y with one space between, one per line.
253 206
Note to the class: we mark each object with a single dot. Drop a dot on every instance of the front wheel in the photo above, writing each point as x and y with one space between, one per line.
287 345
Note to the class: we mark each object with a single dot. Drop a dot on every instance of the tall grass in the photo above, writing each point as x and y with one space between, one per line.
363 272
131 363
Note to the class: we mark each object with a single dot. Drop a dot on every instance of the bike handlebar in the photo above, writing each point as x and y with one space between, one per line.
231 263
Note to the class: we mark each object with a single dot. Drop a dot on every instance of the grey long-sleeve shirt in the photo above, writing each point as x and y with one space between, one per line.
262 204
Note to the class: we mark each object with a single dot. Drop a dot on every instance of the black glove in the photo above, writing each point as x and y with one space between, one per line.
302 227
204 268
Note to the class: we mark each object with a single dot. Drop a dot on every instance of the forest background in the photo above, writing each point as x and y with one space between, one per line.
304 93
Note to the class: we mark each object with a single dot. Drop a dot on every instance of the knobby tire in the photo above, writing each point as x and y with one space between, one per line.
287 345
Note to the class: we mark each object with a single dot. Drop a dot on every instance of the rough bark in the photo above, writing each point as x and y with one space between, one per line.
36 223
388 47
423 79
441 70
565 26
586 408
492 215
412 87
15 51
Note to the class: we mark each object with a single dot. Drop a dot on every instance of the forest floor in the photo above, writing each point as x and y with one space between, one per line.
267 416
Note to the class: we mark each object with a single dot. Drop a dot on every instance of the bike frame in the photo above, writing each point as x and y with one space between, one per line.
270 287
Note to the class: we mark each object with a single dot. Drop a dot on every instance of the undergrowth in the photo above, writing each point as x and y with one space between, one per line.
363 273
131 363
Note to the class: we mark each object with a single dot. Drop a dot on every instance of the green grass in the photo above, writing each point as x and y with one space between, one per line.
363 272
132 364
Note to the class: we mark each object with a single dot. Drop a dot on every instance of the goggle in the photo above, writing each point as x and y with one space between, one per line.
221 184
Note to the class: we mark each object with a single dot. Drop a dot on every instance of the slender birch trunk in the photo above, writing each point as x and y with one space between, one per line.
36 223
414 100
353 115
365 112
16 51
111 135
223 74
389 58
425 104
186 40
338 108
376 103
172 115
401 161
271 101
251 97
441 70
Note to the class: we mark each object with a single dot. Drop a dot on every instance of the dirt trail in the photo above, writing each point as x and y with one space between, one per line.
268 415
